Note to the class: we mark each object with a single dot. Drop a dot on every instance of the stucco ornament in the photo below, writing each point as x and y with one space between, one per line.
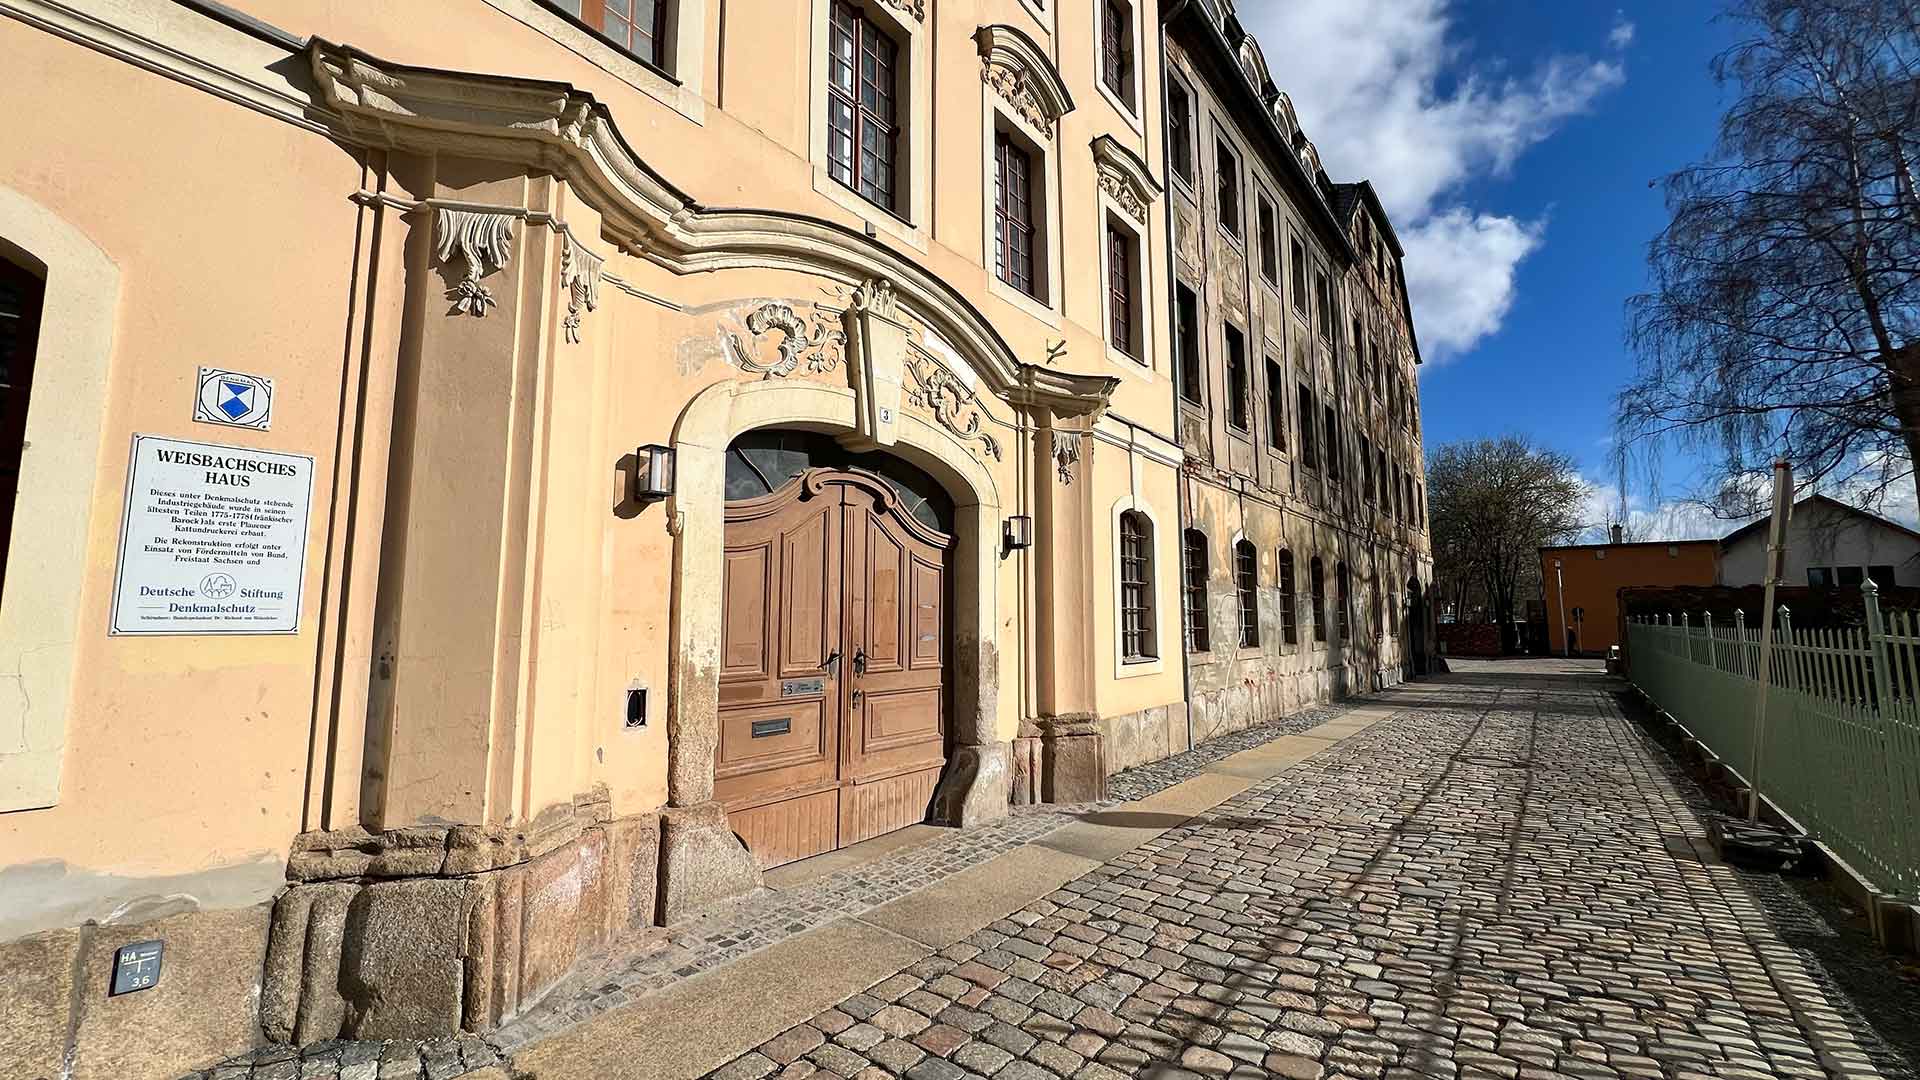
808 338
484 242
1066 453
580 277
1023 74
940 392
916 9
1125 177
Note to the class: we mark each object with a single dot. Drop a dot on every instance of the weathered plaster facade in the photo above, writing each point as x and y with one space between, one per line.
485 254
1263 465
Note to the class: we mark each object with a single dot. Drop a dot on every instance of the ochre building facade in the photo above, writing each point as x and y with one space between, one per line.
662 477
1303 485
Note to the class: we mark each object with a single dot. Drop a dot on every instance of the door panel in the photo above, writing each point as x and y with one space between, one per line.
779 710
833 692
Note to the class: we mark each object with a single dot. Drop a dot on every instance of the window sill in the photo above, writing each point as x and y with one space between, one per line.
883 220
1133 669
682 95
1026 302
1127 110
1131 365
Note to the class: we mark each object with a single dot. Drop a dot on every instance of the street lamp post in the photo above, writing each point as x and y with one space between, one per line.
1560 584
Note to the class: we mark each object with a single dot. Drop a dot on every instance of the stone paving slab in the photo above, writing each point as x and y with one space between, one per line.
1503 885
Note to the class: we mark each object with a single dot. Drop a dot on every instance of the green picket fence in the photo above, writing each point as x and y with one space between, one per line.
1842 745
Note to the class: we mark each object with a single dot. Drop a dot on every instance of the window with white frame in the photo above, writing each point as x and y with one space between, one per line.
863 106
1116 50
1137 642
1226 181
638 28
1016 216
1126 316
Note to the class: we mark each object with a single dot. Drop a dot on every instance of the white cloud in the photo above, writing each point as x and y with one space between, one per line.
1462 283
1621 35
1384 92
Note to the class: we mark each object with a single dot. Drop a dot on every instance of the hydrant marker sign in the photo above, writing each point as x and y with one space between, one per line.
213 539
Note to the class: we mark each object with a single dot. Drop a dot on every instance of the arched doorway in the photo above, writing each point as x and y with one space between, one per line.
835 691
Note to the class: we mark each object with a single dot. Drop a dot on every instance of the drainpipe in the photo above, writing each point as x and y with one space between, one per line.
1185 496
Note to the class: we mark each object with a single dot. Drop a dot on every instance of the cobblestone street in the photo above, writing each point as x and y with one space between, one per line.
1496 875
1502 881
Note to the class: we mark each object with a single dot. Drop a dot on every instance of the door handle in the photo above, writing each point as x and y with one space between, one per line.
860 661
831 665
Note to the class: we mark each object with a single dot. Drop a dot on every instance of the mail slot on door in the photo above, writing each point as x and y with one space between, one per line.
762 729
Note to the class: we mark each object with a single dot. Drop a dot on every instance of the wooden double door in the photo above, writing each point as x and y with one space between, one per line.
833 687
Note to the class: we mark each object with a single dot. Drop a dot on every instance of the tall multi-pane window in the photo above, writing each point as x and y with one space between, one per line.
863 131
1289 601
638 26
1186 309
1323 299
1366 468
1193 595
1297 258
1246 583
1180 129
1116 48
1226 181
1236 378
1276 405
1136 587
21 297
1120 291
1384 496
1013 214
1269 244
1332 434
1309 448
1317 584
1344 595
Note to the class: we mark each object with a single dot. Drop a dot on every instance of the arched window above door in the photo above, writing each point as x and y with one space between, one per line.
762 462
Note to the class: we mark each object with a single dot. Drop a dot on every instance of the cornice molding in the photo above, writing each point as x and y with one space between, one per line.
555 128
1126 177
1020 71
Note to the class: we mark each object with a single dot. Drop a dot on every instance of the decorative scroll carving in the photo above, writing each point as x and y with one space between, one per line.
484 242
1022 73
956 408
1125 177
876 296
1018 91
580 276
1122 192
808 338
917 9
1066 453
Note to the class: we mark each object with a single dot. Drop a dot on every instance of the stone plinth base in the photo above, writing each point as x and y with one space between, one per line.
1059 759
701 860
977 786
425 931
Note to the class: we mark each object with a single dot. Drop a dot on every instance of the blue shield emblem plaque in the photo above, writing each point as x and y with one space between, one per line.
234 399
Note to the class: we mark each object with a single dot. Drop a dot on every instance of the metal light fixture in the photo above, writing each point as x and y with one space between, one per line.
1019 532
652 472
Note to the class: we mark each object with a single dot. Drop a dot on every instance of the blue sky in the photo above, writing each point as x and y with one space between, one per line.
1514 142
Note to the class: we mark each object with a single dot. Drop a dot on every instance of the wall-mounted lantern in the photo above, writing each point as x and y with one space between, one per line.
1019 532
652 473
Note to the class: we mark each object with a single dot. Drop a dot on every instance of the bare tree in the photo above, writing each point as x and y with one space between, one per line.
1493 503
1782 315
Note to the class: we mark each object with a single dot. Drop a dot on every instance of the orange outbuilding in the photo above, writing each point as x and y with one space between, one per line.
1581 585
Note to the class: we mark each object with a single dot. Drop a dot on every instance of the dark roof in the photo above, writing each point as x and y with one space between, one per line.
1743 530
1544 548
1215 57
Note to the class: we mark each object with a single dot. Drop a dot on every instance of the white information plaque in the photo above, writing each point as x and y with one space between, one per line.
213 539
